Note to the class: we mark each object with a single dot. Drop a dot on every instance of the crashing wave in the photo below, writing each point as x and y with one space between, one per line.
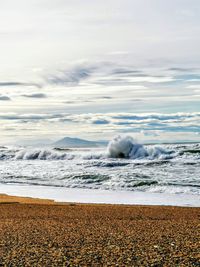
120 147
127 147
41 154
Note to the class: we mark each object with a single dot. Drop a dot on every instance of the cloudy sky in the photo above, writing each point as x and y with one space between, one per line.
93 70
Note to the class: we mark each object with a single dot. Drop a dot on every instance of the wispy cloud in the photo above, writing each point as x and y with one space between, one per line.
105 74
29 116
4 98
70 77
35 95
14 84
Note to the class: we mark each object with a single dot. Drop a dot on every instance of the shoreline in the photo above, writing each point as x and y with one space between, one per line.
74 195
10 199
14 199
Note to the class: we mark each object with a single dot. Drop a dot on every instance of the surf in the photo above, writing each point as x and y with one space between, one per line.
129 148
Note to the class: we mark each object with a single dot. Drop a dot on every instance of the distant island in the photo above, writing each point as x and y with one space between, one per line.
68 142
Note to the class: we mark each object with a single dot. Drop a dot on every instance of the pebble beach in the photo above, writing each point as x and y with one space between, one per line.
37 232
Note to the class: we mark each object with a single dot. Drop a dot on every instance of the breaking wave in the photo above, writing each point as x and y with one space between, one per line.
121 147
125 165
42 154
127 147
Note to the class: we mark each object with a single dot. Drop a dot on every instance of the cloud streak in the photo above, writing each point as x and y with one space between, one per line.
122 121
70 77
35 95
105 74
14 84
4 98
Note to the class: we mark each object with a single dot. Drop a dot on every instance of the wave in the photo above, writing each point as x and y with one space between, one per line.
191 151
41 154
121 147
127 147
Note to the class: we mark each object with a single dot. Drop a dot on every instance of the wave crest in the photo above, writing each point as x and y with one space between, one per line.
127 147
121 146
41 154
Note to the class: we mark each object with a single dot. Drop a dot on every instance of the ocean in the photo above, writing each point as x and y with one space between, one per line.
125 166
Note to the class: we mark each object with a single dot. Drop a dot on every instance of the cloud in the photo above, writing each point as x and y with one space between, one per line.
104 97
151 119
118 53
105 74
178 122
103 121
127 71
13 84
150 133
29 117
191 77
156 116
180 69
70 77
4 98
175 122
69 102
194 86
145 124
35 95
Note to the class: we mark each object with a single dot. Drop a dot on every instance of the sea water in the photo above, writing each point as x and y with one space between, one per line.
124 165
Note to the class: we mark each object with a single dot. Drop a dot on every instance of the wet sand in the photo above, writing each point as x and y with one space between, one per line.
23 200
37 232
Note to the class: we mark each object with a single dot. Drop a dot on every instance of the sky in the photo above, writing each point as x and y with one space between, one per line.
94 69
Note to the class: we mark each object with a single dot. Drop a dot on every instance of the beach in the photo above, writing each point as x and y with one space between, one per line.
100 133
36 232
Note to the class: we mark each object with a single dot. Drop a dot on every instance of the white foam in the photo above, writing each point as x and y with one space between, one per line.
41 154
127 147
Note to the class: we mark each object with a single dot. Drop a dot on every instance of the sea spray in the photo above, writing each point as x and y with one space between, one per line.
127 147
41 154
